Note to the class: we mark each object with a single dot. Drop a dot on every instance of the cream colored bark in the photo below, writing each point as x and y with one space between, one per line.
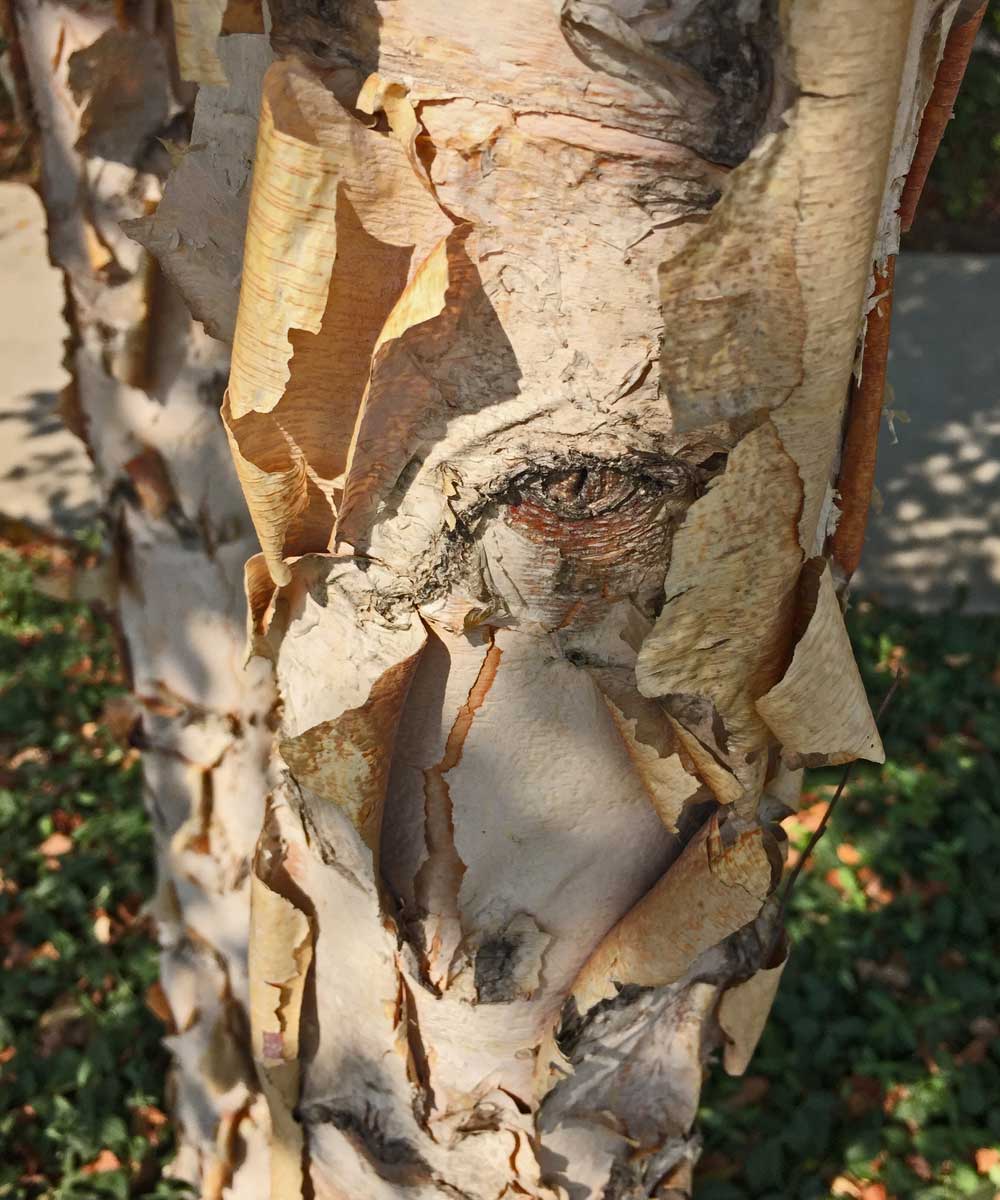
147 382
547 324
547 320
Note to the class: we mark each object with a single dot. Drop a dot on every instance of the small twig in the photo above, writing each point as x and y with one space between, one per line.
779 919
864 416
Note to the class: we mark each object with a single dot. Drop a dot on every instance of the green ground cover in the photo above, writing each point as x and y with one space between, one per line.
881 1063
81 1065
878 1074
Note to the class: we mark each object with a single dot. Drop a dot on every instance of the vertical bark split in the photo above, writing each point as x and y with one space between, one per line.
145 392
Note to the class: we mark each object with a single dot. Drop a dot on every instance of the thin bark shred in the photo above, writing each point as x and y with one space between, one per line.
539 383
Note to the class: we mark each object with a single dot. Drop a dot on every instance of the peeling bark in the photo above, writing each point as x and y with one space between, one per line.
546 330
538 397
145 391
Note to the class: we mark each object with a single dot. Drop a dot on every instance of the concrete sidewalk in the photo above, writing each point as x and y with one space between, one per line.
937 537
45 474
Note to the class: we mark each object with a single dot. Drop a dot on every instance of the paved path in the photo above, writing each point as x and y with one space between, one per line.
45 476
938 535
939 530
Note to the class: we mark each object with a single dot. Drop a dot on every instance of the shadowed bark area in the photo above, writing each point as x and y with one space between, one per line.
546 332
146 387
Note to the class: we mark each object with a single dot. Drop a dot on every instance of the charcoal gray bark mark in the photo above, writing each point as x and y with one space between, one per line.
710 54
327 33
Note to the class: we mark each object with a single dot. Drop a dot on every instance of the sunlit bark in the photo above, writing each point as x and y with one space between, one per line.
547 323
540 378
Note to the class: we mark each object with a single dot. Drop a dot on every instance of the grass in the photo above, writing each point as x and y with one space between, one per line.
878 1073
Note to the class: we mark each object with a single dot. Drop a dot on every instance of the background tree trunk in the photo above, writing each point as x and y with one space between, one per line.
147 381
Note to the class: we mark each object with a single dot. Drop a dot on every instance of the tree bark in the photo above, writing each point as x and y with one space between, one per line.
546 330
540 378
145 392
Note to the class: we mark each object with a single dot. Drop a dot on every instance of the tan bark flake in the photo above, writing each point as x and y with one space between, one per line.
732 306
338 222
743 1012
346 760
710 891
819 711
668 783
197 25
198 227
280 954
724 632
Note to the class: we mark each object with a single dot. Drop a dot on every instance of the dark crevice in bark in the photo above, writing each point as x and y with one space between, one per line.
327 34
716 58
392 1158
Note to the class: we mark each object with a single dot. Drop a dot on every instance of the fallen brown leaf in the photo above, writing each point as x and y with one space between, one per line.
18 954
30 754
832 877
874 888
986 1159
149 1122
107 1160
920 1167
9 922
892 974
102 927
56 844
47 950
65 822
81 668
895 664
808 819
843 1185
128 909
975 1052
64 1024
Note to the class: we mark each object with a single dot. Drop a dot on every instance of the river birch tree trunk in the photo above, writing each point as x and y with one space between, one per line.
146 387
541 368
550 333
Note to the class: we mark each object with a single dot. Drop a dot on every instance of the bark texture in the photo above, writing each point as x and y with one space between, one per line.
547 323
547 326
147 383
